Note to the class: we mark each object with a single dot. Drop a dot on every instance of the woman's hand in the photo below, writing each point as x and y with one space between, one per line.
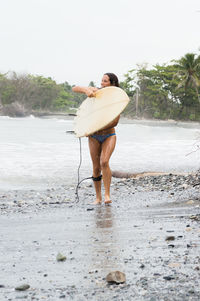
91 91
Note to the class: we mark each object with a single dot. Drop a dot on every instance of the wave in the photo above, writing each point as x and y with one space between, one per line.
8 117
32 116
5 117
63 120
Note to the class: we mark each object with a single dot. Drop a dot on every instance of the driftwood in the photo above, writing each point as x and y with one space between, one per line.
127 175
121 174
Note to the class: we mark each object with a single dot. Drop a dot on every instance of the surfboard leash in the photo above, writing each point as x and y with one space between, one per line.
94 179
79 182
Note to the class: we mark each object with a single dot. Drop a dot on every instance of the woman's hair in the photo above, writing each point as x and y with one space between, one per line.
113 79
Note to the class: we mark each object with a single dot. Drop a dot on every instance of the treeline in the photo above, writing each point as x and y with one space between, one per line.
21 95
169 91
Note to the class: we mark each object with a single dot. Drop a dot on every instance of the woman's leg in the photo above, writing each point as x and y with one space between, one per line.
108 147
95 151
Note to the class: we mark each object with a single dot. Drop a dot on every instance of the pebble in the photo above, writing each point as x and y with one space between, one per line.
168 277
61 257
168 238
22 287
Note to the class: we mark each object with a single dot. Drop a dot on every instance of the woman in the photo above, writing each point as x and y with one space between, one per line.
102 143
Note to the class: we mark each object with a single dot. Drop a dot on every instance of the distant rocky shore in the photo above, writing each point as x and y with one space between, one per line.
16 109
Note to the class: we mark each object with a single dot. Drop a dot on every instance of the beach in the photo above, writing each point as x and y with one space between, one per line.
150 232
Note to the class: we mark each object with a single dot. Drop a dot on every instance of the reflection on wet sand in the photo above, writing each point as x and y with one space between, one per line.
105 247
104 217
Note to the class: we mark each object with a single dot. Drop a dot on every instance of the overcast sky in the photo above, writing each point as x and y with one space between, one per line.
79 40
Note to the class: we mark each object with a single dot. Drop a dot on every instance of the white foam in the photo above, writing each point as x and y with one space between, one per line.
63 120
5 117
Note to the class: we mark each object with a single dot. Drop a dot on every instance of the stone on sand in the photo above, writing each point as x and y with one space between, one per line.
116 277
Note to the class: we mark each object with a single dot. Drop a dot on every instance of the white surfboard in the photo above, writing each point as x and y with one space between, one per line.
97 112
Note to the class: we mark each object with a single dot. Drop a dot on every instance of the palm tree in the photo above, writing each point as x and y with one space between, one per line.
189 72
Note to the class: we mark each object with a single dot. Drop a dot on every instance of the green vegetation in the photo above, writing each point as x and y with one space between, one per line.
28 94
165 91
169 91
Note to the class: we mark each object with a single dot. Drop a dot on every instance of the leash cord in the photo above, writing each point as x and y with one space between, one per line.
79 182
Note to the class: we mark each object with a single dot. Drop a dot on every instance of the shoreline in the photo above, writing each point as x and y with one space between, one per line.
160 122
126 120
146 181
123 120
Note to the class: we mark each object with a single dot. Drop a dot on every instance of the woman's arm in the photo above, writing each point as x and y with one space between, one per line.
89 91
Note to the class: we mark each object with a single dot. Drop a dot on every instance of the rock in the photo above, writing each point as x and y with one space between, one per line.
190 202
22 287
188 229
168 277
61 257
116 277
168 238
195 217
174 265
2 286
144 282
14 109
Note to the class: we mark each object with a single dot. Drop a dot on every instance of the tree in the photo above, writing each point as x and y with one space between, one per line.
92 84
189 72
158 93
46 91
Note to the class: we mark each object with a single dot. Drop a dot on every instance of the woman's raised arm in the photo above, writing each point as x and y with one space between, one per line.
89 91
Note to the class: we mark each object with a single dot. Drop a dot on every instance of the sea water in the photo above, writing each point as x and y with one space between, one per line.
37 153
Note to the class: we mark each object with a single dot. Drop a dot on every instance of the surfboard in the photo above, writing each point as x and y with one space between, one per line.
97 112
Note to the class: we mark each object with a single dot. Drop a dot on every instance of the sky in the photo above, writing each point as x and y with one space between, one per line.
79 40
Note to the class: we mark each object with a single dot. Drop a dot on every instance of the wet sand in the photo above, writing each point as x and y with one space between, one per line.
151 232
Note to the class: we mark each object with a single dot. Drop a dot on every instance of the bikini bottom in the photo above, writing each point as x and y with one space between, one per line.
102 138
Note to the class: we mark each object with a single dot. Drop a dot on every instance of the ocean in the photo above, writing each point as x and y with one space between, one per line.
38 153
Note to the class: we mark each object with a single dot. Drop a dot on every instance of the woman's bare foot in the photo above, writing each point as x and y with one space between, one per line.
107 200
97 202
